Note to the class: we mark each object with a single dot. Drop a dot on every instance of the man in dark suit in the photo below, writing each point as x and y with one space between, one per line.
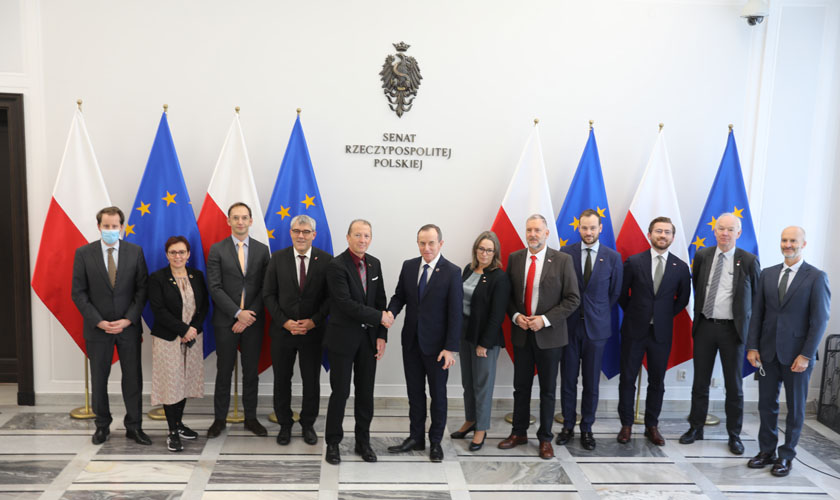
544 293
295 293
235 273
355 338
724 279
598 270
790 313
655 288
109 288
430 289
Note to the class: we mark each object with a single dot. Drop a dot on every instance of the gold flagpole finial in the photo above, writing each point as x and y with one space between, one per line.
298 111
79 104
165 108
536 121
591 123
236 109
661 126
730 127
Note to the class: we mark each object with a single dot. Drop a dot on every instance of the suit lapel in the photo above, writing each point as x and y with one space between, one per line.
577 249
773 283
99 261
800 277
737 270
549 262
354 273
646 271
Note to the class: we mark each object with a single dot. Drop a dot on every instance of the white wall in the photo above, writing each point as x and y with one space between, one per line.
489 68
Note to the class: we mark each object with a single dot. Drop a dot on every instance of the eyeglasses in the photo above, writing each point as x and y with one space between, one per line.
298 232
484 250
177 253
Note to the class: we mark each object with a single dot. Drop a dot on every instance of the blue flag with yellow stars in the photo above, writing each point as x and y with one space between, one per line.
162 209
587 191
728 194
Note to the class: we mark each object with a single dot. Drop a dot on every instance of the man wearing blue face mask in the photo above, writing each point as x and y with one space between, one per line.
109 289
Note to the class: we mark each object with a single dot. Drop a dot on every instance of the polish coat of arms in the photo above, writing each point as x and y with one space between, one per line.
400 79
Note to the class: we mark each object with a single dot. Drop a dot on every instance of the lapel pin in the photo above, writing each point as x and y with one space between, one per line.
437 269
674 264
191 276
548 260
600 260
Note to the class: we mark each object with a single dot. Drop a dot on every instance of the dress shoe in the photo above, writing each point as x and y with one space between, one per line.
138 436
101 435
761 460
565 436
435 452
735 445
309 436
333 456
624 434
173 442
463 434
546 451
477 446
254 425
691 435
409 444
587 440
216 428
782 467
185 432
511 441
284 437
366 452
653 435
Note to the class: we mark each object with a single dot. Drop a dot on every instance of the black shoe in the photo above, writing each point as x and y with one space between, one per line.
254 425
216 428
410 444
284 437
101 435
366 452
735 445
477 446
565 436
782 467
761 460
587 440
463 434
691 435
435 452
173 442
333 457
185 432
138 436
309 436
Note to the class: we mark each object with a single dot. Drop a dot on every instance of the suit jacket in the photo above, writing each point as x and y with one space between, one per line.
795 326
558 297
435 318
226 281
355 316
285 301
487 308
97 300
745 270
166 302
600 294
639 302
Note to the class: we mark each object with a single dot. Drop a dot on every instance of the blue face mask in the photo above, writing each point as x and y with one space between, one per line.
110 236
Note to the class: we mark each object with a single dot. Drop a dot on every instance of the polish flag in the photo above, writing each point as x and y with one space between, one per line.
233 181
79 193
527 194
656 197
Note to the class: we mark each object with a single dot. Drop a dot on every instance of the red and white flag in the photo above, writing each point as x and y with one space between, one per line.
527 194
656 197
79 193
232 182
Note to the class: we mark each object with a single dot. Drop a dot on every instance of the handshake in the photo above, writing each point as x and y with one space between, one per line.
387 319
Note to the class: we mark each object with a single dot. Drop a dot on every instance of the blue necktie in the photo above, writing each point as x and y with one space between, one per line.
421 287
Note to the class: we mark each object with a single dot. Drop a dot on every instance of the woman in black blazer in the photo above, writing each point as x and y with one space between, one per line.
179 301
486 295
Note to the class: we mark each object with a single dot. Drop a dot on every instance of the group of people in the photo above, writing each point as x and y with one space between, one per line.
559 303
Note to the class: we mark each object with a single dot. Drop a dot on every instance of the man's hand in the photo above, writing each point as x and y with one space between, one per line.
294 327
535 323
113 327
380 349
522 321
387 319
800 364
481 352
247 317
753 357
306 324
238 327
447 357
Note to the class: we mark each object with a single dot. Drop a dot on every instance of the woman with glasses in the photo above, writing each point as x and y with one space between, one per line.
486 295
179 301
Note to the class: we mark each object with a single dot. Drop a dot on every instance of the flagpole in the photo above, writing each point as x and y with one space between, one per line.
591 123
235 417
84 412
661 126
636 419
79 104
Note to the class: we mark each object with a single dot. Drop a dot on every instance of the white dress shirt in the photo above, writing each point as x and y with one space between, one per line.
583 248
535 295
653 255
432 266
793 270
116 248
723 299
306 257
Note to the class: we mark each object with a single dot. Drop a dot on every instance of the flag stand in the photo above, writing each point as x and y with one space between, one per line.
558 417
295 417
157 413
84 412
636 419
235 417
509 418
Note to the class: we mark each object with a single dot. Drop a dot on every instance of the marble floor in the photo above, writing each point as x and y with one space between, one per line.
46 454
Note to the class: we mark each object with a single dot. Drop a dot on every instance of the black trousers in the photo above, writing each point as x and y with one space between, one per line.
796 392
101 352
632 353
362 366
709 338
580 352
249 343
546 361
418 368
283 354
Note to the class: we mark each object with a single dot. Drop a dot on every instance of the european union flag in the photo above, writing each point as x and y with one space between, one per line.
587 191
728 194
163 209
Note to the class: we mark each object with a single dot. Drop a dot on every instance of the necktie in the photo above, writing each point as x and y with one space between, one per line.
363 275
112 268
711 292
783 285
421 285
241 255
529 285
587 267
302 277
657 274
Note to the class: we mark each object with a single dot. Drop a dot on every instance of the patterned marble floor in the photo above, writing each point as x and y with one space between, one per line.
46 454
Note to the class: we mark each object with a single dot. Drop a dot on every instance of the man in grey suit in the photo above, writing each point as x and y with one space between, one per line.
790 313
235 273
109 288
544 292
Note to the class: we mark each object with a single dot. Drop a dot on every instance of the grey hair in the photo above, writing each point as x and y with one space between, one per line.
303 219
536 217
737 219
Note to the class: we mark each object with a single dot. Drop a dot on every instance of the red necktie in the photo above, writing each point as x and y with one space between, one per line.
529 285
